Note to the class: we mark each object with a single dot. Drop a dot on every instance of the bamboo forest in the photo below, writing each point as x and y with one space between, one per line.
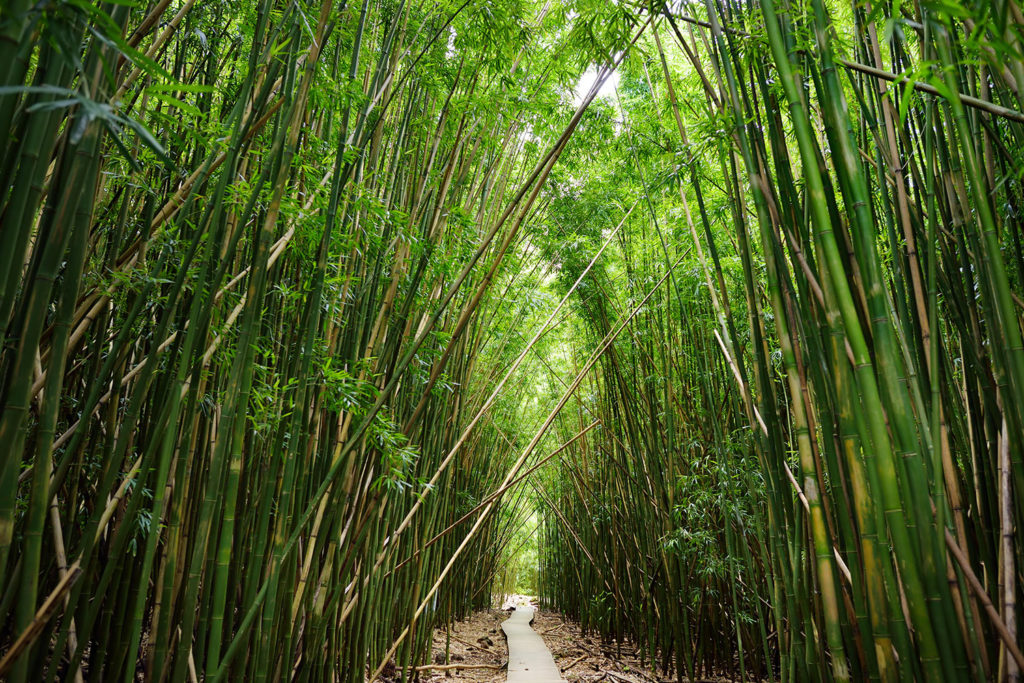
327 324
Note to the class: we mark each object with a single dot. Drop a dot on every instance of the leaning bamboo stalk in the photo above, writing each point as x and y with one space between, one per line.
484 408
881 74
499 492
43 615
979 590
520 461
537 180
157 45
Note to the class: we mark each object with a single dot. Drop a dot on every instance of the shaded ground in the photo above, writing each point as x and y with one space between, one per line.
476 642
583 658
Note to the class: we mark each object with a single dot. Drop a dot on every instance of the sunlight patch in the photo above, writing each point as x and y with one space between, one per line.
587 81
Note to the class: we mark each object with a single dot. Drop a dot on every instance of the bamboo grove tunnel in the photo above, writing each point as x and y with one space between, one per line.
326 323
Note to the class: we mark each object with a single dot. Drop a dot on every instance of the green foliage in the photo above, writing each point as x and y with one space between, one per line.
264 265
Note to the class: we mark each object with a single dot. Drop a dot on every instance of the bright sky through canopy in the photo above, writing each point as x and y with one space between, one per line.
587 81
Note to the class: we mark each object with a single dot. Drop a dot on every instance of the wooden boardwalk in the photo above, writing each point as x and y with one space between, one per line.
529 660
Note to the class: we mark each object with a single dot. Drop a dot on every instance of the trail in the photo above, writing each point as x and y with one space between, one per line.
529 659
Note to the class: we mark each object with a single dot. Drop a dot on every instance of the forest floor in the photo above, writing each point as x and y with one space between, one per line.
478 642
